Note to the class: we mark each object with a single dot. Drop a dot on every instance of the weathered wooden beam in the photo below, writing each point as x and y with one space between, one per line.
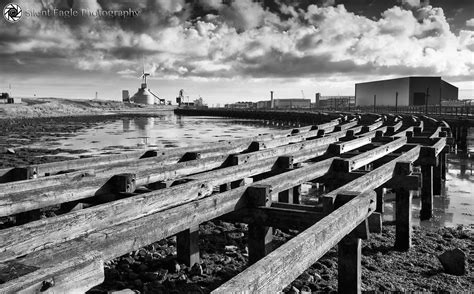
369 156
341 147
74 275
32 235
287 149
283 265
271 143
372 127
83 187
372 179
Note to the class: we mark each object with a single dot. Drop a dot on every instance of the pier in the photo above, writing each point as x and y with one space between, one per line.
108 206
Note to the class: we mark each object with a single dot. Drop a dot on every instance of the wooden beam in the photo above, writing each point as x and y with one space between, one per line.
76 274
372 179
369 156
278 269
341 147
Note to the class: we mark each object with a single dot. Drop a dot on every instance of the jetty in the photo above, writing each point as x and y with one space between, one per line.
107 206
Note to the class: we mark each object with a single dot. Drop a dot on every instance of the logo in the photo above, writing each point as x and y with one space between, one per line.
12 12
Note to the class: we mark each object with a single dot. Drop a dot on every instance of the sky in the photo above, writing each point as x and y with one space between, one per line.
232 50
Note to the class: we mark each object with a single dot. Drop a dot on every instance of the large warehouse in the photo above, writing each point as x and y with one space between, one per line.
411 91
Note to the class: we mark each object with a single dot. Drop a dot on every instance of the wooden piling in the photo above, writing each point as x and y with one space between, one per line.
426 192
437 178
380 199
349 265
259 236
403 219
187 246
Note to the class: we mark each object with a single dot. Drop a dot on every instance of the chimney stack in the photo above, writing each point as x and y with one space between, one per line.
272 104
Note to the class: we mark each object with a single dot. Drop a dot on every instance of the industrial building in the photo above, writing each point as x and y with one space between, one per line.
241 105
333 102
405 91
286 103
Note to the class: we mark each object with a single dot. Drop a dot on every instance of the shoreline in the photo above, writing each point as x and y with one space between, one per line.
58 107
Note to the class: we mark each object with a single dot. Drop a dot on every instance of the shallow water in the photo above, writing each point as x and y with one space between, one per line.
166 131
454 207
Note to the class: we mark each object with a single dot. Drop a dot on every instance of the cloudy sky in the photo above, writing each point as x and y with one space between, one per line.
225 50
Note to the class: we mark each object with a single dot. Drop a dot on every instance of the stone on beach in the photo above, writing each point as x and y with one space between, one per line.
454 262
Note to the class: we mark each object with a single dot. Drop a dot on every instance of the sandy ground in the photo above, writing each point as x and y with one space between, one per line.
48 107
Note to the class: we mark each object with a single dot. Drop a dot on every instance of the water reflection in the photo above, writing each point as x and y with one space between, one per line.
161 131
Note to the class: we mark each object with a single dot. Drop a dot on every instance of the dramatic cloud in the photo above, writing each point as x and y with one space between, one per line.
214 39
470 22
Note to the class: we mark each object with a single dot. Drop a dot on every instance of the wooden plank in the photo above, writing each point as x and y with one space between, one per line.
271 143
279 268
371 155
342 147
47 232
79 188
372 127
287 149
74 275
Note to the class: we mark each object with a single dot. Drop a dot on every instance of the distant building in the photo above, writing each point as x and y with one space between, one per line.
242 105
290 103
333 102
410 91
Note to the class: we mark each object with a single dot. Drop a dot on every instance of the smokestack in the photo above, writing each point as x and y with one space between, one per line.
272 104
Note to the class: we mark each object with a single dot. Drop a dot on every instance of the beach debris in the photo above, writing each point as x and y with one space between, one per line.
454 262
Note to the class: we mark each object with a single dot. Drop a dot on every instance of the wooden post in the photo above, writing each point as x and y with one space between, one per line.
187 246
437 177
349 252
426 192
380 199
349 265
291 195
396 102
375 222
375 101
403 219
259 237
442 162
